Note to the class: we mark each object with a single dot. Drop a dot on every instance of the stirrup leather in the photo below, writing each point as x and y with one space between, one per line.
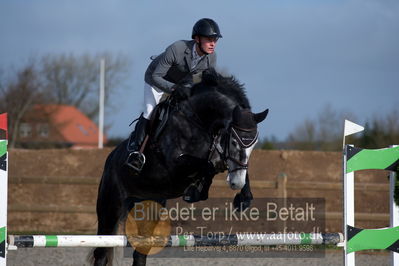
138 160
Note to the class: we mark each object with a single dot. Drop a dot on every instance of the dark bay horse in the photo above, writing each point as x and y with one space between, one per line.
210 129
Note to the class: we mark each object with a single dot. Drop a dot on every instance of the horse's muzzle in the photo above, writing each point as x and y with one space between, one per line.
236 180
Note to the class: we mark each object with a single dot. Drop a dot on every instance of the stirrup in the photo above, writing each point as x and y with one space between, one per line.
138 163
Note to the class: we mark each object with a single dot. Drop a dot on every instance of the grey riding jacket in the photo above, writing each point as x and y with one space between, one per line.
174 65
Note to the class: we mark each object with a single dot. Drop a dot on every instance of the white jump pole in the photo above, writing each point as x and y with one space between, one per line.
248 239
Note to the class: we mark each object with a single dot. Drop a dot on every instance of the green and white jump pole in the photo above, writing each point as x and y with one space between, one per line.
247 239
3 188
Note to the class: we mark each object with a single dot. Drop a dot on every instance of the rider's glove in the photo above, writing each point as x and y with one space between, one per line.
182 91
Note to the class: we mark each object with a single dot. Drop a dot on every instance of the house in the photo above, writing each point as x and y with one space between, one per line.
57 126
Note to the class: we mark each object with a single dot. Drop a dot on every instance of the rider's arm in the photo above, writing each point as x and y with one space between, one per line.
165 62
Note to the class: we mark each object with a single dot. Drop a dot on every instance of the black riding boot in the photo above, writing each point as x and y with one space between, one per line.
136 159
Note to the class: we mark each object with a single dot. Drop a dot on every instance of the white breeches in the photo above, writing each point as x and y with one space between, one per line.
152 96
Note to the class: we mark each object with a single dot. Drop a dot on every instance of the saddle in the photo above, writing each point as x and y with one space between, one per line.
161 112
159 118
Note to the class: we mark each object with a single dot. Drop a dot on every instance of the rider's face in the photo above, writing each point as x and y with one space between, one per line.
208 44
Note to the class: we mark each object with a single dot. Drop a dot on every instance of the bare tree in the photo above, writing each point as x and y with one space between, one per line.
58 79
18 95
304 136
73 80
322 133
381 132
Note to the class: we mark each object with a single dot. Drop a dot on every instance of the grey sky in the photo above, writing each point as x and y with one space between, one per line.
293 56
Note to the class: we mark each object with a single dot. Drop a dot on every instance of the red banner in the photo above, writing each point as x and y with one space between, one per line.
3 126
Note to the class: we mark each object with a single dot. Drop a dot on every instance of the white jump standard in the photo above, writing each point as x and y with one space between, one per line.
357 239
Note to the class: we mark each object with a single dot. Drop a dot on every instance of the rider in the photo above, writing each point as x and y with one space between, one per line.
179 63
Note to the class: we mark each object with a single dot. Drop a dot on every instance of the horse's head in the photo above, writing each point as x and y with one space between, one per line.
241 139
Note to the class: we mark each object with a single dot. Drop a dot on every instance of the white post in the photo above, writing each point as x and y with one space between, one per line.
394 211
3 196
349 209
101 105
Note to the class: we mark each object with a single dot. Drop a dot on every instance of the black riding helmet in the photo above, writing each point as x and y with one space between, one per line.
206 27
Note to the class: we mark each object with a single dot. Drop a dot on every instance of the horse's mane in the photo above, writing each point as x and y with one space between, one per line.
215 97
213 82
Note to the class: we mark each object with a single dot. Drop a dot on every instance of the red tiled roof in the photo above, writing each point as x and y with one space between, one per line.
74 126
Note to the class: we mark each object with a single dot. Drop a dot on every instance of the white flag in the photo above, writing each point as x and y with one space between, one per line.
351 128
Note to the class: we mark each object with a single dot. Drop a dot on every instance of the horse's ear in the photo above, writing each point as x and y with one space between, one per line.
236 114
259 117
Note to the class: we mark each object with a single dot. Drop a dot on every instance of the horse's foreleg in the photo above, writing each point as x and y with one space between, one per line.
199 190
243 199
206 184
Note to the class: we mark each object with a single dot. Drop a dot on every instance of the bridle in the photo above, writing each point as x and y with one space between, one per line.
221 147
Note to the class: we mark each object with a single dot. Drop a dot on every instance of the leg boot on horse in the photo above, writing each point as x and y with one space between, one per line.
136 158
198 190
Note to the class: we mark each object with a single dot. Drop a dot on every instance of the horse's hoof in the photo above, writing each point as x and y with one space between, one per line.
192 194
241 203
